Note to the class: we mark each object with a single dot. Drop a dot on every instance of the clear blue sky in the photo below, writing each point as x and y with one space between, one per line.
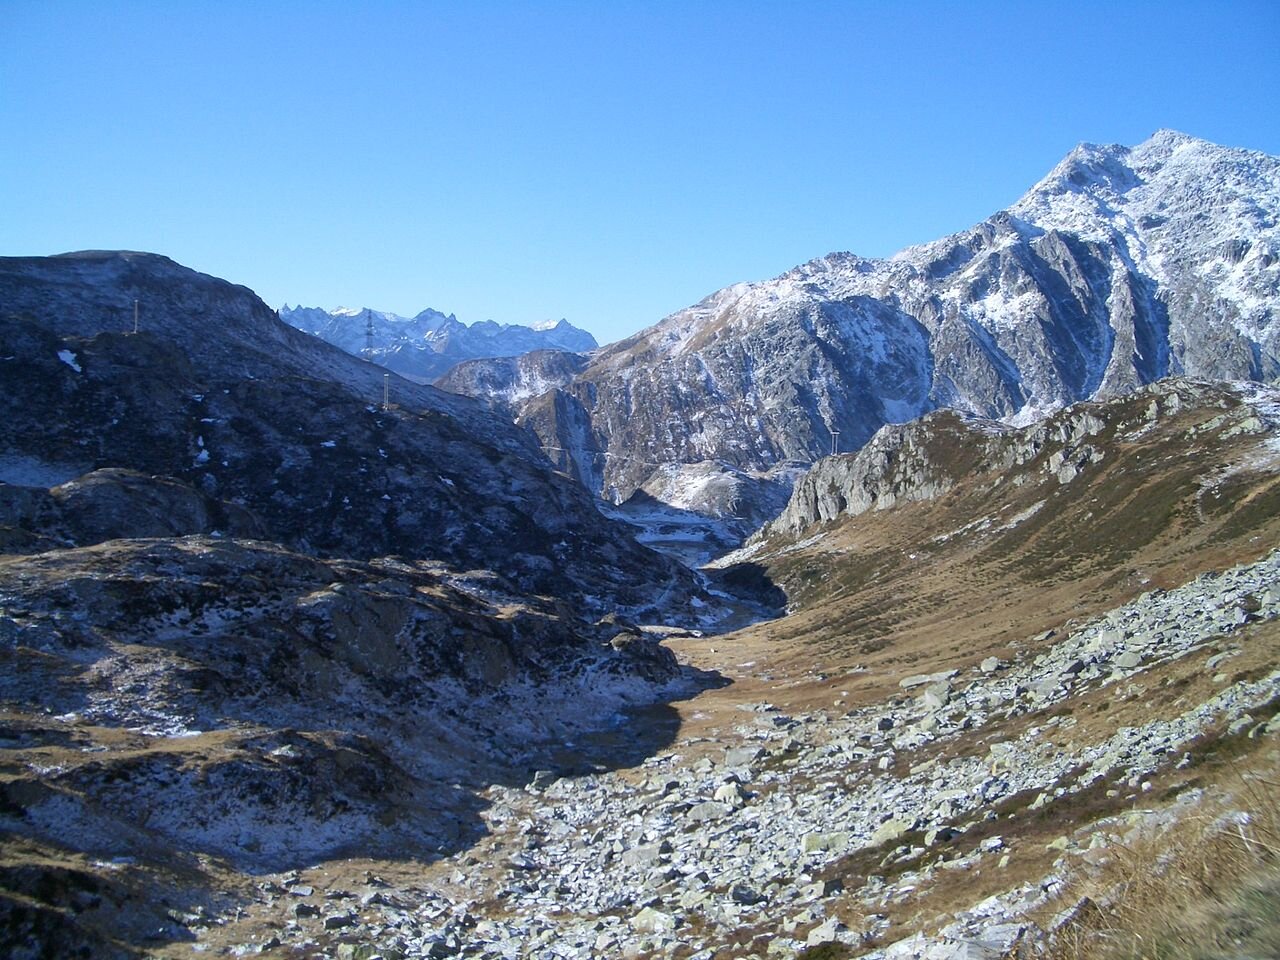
607 162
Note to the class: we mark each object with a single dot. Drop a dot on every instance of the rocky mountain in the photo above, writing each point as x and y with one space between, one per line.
426 346
289 671
510 381
178 709
252 618
1123 265
248 414
1164 477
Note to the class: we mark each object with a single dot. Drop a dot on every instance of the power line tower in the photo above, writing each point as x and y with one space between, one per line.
368 334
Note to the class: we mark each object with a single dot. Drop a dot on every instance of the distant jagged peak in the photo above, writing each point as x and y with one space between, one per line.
433 319
1168 140
561 324
1189 190
386 316
1090 167
425 346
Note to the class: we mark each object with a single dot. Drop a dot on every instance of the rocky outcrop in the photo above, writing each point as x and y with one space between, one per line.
510 381
1123 266
112 504
753 395
924 459
253 618
215 392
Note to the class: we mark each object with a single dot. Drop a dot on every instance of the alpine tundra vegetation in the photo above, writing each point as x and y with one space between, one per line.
919 607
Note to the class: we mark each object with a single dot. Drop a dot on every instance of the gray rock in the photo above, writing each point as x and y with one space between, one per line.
708 810
745 895
730 794
936 696
743 756
829 931
825 842
543 779
645 856
920 679
651 921
891 830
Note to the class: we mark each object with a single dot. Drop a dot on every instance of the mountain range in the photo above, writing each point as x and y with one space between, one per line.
300 657
1123 265
426 345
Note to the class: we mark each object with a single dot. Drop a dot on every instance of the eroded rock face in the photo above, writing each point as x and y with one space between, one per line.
1122 266
217 393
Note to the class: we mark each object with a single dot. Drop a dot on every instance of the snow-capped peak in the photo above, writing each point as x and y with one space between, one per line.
429 343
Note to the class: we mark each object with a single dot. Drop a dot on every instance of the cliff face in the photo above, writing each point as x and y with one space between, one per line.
509 381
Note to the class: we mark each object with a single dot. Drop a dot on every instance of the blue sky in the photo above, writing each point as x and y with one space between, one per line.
604 162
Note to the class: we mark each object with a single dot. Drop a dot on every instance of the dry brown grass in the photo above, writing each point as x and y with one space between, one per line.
1205 888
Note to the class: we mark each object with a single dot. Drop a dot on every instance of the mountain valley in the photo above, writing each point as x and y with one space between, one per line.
889 608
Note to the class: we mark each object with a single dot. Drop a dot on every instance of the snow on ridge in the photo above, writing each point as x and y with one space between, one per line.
427 344
1161 199
1122 265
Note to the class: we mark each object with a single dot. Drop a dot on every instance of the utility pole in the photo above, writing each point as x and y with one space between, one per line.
135 316
386 391
835 442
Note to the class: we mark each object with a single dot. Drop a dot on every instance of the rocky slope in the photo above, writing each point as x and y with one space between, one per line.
218 394
174 708
425 347
982 693
817 829
253 619
926 458
1122 266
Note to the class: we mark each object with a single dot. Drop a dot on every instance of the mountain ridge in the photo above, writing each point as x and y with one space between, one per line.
1121 266
430 343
